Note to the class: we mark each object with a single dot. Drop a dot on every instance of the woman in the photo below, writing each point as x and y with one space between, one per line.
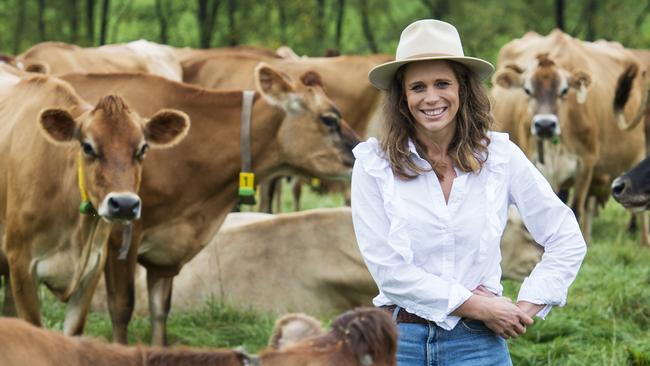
430 202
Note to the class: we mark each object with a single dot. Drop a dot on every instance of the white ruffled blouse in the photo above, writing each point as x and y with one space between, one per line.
427 255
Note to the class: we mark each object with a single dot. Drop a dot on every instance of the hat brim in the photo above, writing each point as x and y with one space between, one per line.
382 75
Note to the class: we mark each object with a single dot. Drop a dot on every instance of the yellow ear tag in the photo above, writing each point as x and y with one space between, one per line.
315 182
247 188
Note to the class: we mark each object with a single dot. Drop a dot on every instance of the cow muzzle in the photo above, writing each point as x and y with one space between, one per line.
623 193
545 126
120 207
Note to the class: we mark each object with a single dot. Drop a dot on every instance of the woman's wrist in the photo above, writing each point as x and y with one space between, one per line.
529 308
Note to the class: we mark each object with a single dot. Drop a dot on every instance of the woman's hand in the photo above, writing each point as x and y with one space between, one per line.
498 313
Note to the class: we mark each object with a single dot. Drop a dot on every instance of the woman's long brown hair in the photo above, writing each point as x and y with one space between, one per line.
468 147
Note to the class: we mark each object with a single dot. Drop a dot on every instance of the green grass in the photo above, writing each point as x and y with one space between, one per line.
606 320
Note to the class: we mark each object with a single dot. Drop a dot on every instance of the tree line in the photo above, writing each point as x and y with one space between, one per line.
313 27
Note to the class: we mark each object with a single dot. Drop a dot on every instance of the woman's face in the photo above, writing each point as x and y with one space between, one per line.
431 91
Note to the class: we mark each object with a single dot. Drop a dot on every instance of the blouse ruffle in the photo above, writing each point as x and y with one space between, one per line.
374 162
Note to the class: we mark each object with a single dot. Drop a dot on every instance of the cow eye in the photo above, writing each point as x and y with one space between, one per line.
564 91
528 92
142 151
330 120
88 150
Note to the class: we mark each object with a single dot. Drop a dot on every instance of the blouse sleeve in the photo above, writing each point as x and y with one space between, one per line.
553 225
390 263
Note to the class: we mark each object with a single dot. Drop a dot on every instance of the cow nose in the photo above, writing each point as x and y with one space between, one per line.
619 186
546 126
121 206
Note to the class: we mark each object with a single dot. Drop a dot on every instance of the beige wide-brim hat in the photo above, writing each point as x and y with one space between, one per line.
427 39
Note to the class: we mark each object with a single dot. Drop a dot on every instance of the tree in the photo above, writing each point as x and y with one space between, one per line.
282 18
90 22
439 9
106 6
559 14
163 11
41 20
591 8
339 24
207 18
20 26
365 24
233 33
73 9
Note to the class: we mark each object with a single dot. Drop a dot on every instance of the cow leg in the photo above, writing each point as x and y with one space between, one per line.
277 195
644 238
583 181
160 295
296 191
79 303
23 285
9 306
347 194
267 194
119 277
590 213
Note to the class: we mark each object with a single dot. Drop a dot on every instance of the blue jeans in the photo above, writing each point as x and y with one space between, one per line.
470 343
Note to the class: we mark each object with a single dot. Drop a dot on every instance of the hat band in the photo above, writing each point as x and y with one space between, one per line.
421 55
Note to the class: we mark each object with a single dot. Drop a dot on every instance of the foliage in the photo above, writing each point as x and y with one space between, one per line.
485 25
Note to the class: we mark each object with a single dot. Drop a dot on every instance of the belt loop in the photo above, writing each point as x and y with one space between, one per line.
395 312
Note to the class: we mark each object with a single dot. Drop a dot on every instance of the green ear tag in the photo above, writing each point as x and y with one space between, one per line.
86 208
556 140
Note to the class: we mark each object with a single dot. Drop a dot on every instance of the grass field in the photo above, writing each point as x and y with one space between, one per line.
606 320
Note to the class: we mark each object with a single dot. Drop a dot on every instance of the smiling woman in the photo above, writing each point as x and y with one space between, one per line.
430 203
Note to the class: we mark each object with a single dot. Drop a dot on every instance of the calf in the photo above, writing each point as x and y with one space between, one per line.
362 337
55 150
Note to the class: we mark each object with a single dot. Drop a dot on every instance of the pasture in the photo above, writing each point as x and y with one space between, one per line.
606 320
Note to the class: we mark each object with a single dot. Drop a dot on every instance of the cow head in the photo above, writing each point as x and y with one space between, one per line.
547 86
113 141
313 138
632 189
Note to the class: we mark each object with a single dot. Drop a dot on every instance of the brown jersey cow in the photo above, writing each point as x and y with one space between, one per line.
561 99
56 149
344 78
138 56
294 126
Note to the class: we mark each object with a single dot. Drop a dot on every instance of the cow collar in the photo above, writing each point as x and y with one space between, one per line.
86 207
246 176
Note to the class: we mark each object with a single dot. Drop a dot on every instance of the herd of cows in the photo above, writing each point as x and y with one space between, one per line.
147 138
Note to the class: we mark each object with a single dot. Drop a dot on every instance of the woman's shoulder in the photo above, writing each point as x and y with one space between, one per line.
369 150
370 156
500 149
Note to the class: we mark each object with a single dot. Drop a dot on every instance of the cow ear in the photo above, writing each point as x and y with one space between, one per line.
580 80
166 128
57 125
274 86
509 77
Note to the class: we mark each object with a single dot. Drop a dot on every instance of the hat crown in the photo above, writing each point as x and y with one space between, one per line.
429 37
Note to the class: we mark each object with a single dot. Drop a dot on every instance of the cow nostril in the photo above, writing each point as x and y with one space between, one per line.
113 204
618 188
135 208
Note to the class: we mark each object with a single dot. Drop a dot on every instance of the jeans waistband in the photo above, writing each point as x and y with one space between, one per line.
404 316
